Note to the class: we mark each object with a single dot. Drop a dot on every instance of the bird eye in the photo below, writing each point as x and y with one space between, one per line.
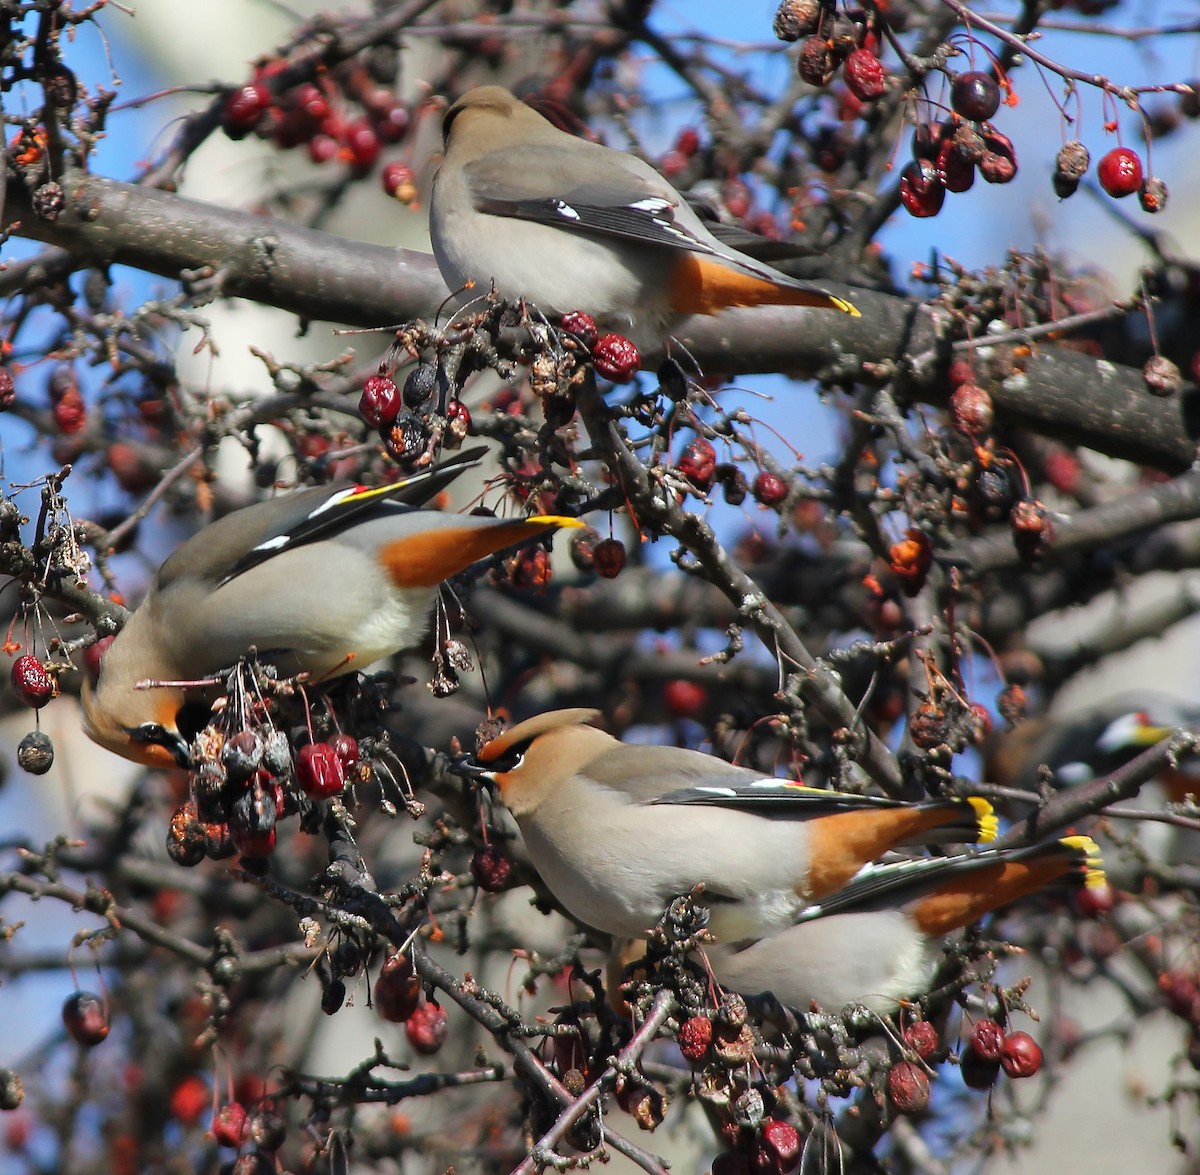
150 732
509 761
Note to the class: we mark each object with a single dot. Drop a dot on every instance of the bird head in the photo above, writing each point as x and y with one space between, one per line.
528 761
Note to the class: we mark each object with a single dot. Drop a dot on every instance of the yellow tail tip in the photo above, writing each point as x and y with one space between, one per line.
845 307
559 520
1094 877
985 815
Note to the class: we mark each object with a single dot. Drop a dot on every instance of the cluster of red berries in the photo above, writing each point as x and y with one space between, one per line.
319 117
947 154
614 356
1120 174
246 784
832 42
589 552
399 998
698 464
406 418
35 687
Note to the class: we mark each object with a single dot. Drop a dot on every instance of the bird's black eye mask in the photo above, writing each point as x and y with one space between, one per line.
512 757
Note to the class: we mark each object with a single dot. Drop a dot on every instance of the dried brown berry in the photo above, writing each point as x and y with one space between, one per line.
1152 195
419 385
608 558
796 18
971 408
35 753
490 868
816 63
582 547
1163 378
12 1089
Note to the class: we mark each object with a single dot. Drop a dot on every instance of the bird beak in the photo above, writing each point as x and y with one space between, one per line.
466 768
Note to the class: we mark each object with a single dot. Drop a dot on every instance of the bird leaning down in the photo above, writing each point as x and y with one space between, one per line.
572 225
324 581
879 940
617 831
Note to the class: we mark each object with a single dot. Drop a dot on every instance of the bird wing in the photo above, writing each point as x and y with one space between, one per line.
770 795
247 538
530 182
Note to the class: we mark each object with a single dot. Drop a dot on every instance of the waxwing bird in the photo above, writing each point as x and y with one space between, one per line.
324 580
572 225
617 831
879 940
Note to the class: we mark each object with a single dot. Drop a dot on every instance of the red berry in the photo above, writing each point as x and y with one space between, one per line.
977 1072
33 685
426 1029
987 1039
322 148
1093 900
908 1088
229 1126
243 109
698 462
688 142
308 100
910 560
252 843
362 144
1179 991
345 746
85 1018
971 408
975 95
608 558
70 413
397 990
1152 195
922 189
684 699
1021 1056
782 1142
490 868
189 1100
392 122
695 1035
399 182
1120 172
319 771
737 197
616 358
769 488
582 326
380 402
865 76
922 1038
956 170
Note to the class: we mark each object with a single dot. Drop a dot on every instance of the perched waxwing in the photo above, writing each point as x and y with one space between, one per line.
324 580
572 225
879 940
618 830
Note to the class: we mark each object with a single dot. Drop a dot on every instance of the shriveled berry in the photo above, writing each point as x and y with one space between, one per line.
35 753
733 483
490 868
333 996
769 488
427 1029
268 1127
608 558
781 1140
1070 166
695 1035
796 18
582 547
70 413
1021 1055
530 569
922 189
865 76
582 326
1152 195
971 408
229 1125
616 358
1030 528
1120 172
406 438
999 162
975 95
380 402
8 391
243 108
458 424
698 462
242 755
12 1089
922 1038
1163 377
908 1088
420 384
910 560
987 1039
397 990
187 840
32 684
319 771
816 63
85 1018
